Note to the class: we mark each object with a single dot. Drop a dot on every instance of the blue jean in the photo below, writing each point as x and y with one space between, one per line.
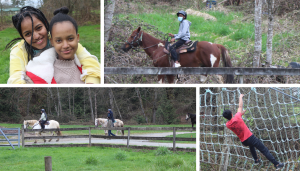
173 48
253 143
42 124
109 133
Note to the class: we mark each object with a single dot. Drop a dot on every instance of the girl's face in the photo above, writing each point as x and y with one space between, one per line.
65 40
180 15
40 36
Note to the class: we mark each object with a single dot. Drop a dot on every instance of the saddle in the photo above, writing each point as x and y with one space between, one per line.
46 123
189 46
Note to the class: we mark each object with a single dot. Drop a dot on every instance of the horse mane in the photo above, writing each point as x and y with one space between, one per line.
155 39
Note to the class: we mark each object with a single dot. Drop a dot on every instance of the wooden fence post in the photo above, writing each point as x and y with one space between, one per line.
90 139
48 163
128 137
241 79
23 142
174 138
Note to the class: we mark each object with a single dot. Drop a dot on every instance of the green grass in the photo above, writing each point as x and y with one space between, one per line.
89 38
94 158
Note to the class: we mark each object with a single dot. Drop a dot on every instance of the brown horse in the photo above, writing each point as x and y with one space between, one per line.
206 55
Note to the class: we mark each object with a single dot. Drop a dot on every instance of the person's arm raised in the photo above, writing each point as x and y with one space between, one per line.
240 109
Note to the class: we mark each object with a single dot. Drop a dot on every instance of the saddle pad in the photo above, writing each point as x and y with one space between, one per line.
190 46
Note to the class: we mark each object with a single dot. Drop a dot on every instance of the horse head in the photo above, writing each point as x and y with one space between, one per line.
134 40
25 124
96 123
187 116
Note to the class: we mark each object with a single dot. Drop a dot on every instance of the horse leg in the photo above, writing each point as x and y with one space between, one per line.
192 127
161 79
52 135
57 135
171 79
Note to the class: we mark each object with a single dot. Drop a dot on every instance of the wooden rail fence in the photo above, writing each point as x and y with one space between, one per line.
128 137
201 71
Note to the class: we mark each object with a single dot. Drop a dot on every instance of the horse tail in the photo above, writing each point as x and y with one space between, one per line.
226 62
122 125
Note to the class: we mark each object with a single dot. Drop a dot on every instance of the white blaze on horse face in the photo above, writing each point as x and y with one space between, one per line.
186 117
212 60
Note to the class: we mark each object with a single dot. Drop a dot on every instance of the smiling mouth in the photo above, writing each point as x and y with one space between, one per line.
67 51
39 41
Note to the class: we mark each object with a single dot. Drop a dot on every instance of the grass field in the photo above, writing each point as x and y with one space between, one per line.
95 158
89 38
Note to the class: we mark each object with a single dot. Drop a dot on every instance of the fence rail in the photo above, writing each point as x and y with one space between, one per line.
241 72
128 137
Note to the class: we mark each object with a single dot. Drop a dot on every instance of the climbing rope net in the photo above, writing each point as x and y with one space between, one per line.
272 115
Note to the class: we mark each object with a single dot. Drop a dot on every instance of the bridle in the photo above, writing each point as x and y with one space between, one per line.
139 41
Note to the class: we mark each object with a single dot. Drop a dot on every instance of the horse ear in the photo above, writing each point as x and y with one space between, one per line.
139 29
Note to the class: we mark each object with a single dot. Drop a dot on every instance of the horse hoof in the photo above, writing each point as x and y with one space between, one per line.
49 140
57 140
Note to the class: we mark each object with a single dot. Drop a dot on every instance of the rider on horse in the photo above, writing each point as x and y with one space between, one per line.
43 119
182 36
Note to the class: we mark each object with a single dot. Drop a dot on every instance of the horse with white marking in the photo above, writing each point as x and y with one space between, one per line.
103 122
203 54
192 117
34 124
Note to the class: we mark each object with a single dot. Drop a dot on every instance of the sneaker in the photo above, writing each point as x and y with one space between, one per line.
177 65
279 166
256 162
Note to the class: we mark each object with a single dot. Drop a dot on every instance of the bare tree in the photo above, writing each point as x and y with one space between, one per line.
59 103
108 17
154 105
258 30
28 102
91 104
270 32
141 102
56 109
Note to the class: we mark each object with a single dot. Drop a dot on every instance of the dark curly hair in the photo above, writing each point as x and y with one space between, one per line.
61 15
17 19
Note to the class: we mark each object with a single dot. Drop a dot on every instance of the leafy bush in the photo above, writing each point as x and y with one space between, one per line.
139 119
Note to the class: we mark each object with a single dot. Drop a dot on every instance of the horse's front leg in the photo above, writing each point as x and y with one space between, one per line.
192 127
36 134
161 79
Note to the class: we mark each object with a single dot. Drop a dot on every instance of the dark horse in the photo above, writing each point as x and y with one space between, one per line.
207 54
193 118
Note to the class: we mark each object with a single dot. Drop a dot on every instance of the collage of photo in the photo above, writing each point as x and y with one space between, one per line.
160 85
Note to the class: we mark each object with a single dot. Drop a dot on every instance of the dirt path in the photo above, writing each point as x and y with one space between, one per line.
123 141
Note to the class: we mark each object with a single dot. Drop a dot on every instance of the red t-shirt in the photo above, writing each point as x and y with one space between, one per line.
238 126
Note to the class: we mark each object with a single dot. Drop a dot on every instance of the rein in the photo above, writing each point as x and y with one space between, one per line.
140 39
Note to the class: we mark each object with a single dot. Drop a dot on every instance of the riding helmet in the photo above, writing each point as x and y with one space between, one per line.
109 109
43 110
183 13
